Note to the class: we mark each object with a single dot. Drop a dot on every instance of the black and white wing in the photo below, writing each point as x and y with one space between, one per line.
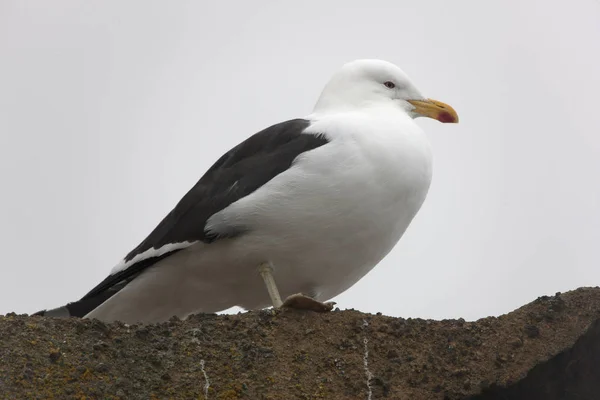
238 173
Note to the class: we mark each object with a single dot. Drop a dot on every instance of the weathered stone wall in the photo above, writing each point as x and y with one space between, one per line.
548 349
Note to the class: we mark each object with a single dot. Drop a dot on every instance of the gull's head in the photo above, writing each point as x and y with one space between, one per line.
366 83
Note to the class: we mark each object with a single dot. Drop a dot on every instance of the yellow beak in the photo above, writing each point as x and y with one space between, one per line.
435 109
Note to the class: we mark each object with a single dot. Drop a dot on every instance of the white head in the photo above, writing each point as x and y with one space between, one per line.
364 83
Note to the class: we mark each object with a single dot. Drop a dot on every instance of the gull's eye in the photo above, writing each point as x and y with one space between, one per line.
389 84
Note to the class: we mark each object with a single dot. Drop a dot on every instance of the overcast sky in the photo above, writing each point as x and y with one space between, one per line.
110 111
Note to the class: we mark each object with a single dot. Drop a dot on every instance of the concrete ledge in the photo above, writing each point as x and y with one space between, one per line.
548 349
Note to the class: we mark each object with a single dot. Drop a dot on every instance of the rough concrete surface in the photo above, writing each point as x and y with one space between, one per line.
548 349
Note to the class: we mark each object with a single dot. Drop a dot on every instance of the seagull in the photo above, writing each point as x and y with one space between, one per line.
302 209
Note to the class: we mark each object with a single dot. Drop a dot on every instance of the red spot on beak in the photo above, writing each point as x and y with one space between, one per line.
446 117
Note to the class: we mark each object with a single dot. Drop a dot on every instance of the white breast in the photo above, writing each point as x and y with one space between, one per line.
342 207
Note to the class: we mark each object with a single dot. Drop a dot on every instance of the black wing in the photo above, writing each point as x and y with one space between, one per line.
238 173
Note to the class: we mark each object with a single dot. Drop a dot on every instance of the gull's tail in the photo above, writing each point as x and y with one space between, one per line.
81 307
77 309
102 292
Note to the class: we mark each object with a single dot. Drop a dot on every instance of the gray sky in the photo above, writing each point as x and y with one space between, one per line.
110 112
